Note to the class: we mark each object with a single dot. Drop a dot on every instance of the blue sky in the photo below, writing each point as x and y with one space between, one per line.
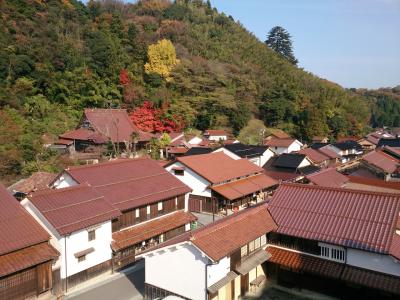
355 43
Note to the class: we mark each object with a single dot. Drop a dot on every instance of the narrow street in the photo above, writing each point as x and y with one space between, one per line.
126 287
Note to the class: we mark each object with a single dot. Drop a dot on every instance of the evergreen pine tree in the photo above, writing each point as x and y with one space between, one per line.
279 40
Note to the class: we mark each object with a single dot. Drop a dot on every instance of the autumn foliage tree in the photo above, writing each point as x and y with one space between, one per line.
151 119
161 59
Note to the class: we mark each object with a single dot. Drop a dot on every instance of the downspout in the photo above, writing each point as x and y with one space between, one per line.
206 265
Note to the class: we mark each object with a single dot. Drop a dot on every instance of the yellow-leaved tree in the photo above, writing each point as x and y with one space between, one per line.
162 59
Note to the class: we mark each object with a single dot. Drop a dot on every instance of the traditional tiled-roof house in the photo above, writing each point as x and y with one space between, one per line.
100 126
328 177
26 256
383 164
258 155
338 240
219 261
283 145
154 204
215 135
220 183
79 221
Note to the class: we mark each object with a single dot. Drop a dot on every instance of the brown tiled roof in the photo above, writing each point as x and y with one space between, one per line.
177 150
147 230
217 167
394 249
306 263
373 185
327 152
73 208
382 161
280 142
243 187
37 181
27 257
224 236
143 190
355 219
280 134
214 132
392 150
314 155
371 279
129 183
18 229
64 142
114 124
84 134
282 176
328 177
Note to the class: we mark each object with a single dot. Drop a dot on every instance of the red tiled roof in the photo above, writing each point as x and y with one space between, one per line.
392 150
394 249
374 185
144 190
177 150
304 263
214 132
18 229
114 124
355 219
64 142
147 230
37 181
217 167
73 208
382 161
282 176
371 279
328 177
84 134
243 187
129 183
114 171
280 142
314 155
327 152
226 235
27 257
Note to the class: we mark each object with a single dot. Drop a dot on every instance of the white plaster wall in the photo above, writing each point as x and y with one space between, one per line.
280 150
266 157
179 269
54 236
295 146
373 261
304 163
78 241
218 271
195 140
64 180
198 184
217 138
229 153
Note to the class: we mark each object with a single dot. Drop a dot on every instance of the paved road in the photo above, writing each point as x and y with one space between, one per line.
126 287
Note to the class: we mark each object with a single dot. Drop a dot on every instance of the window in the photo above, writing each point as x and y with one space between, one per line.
324 251
179 172
82 258
160 206
243 251
91 235
263 240
332 252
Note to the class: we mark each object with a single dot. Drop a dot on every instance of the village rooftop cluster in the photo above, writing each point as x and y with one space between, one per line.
213 219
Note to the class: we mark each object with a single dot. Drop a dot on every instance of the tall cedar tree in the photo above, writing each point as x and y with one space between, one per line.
279 40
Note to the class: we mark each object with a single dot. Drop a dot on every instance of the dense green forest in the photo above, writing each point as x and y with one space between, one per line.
60 56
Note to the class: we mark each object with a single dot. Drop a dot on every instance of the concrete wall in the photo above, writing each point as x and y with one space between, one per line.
373 261
197 183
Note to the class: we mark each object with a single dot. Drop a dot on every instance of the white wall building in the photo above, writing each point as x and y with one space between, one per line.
280 146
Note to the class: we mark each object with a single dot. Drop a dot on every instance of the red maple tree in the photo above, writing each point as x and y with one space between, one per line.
151 119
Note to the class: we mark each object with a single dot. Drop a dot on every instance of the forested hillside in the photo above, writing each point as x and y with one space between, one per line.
60 56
